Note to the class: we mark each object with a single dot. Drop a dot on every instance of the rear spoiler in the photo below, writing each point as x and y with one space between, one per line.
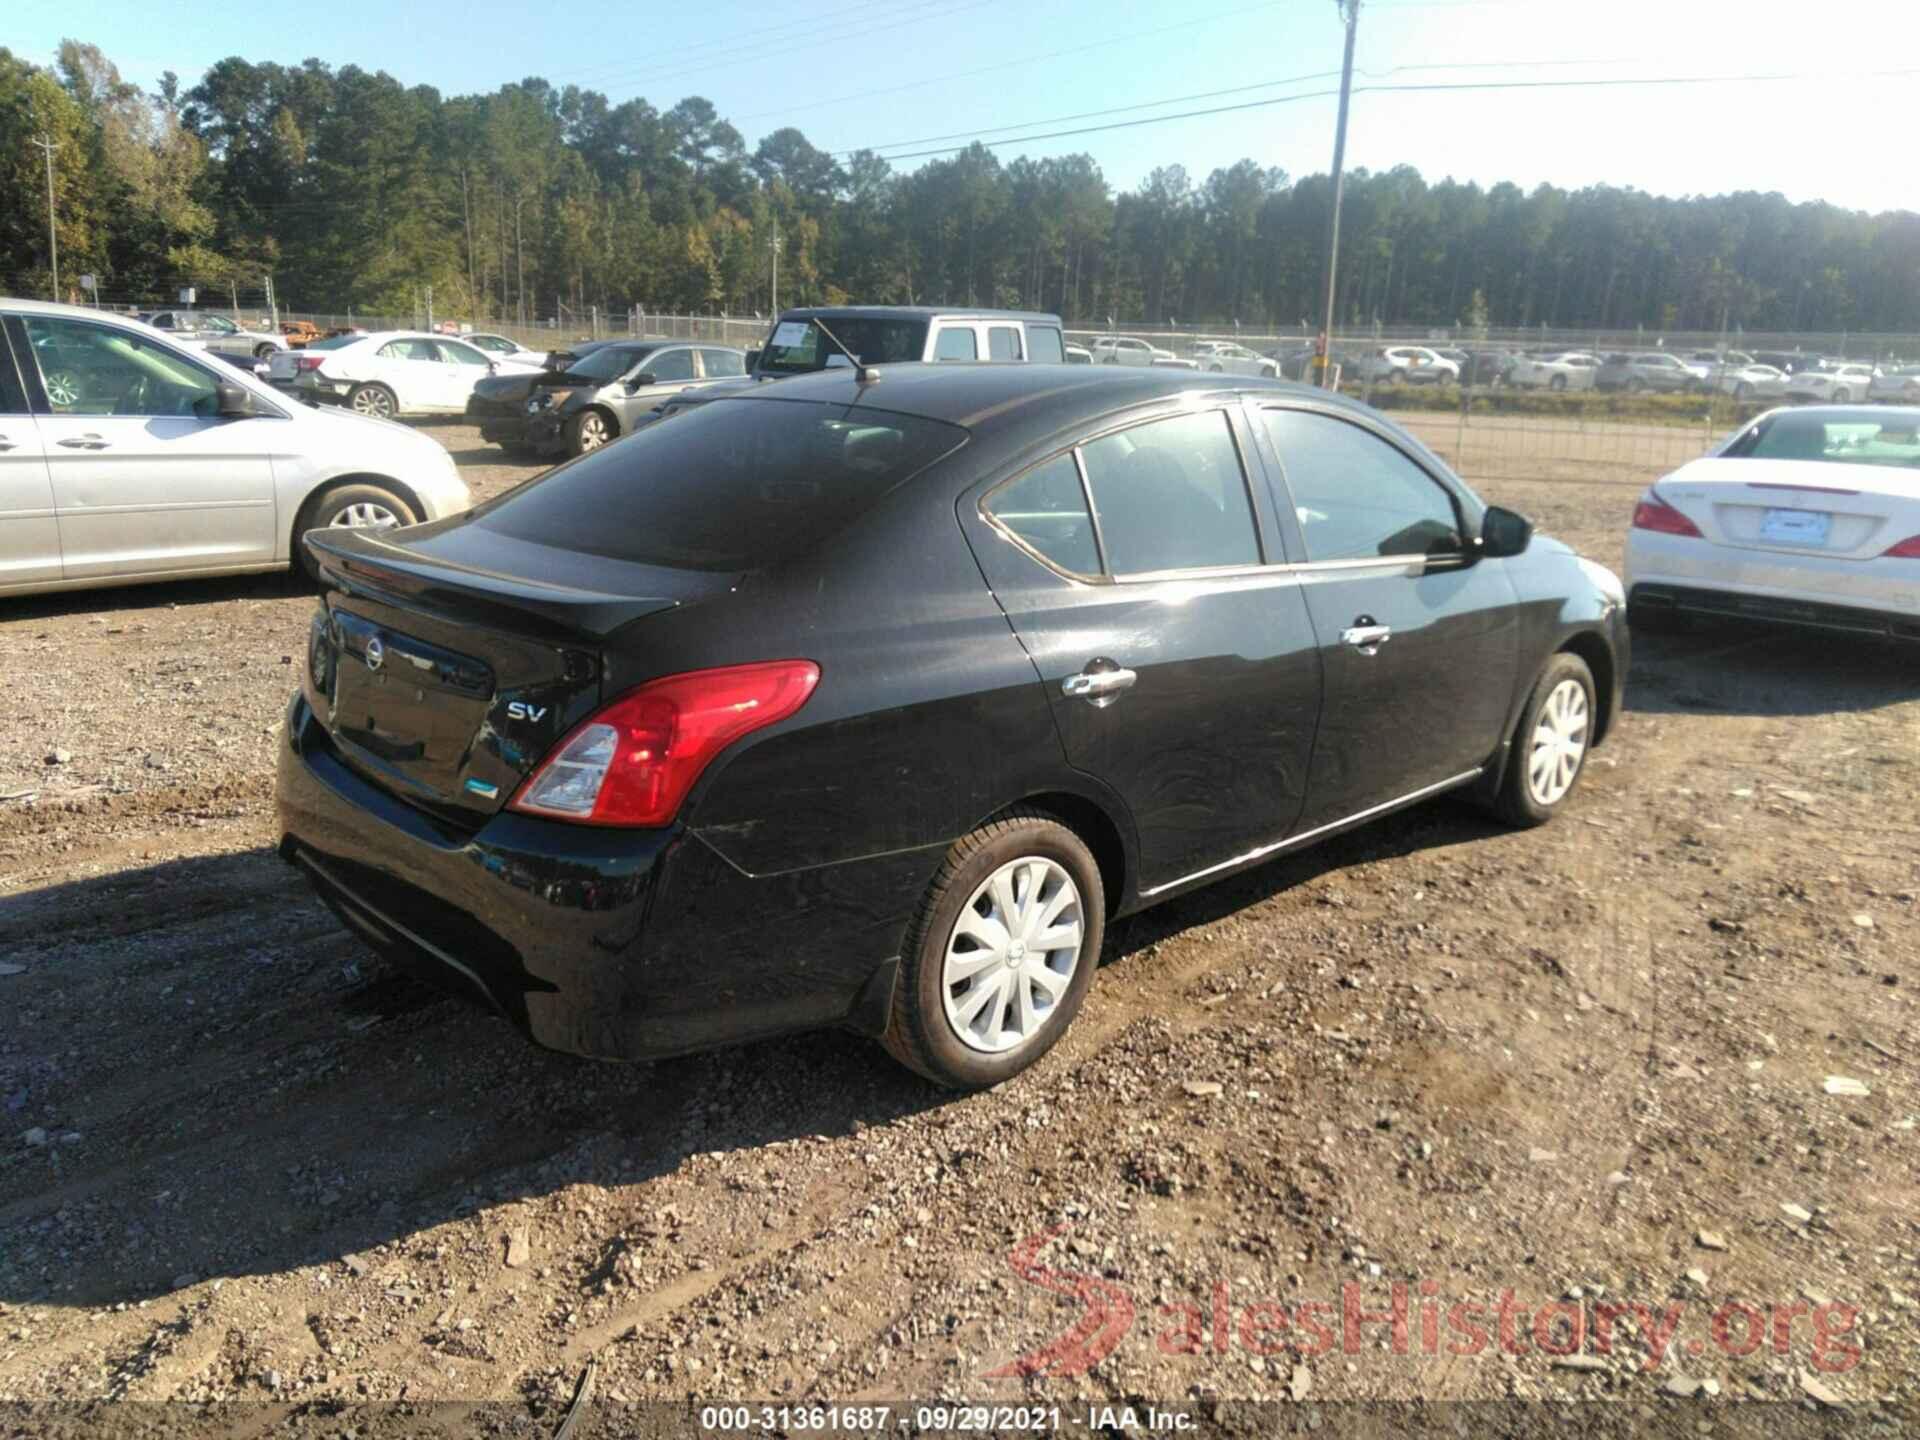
358 561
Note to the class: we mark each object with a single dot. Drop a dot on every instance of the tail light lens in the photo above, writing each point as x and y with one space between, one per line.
1654 513
633 761
1908 549
309 362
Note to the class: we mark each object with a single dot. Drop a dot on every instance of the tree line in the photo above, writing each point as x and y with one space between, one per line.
352 189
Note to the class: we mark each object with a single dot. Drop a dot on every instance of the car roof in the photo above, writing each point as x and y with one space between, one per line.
1046 396
914 312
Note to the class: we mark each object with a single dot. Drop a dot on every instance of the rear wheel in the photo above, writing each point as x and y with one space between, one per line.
999 957
1843 397
1559 382
375 400
1550 747
1636 385
1742 390
359 506
262 350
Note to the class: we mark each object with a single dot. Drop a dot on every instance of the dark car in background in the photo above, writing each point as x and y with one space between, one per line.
498 404
830 703
617 389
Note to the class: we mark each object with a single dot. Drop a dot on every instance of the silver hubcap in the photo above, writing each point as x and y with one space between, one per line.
62 389
1559 743
366 515
372 402
593 432
1012 955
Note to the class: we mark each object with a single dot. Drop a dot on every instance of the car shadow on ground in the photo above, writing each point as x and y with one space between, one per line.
1734 669
158 595
249 1090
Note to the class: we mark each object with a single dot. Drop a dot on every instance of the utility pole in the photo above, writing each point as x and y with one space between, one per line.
1351 10
53 230
776 270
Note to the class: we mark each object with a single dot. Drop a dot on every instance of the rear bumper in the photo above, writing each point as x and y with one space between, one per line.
1701 577
615 944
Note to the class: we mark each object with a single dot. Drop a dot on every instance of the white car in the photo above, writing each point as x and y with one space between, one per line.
1807 517
1566 370
1751 382
1226 357
1898 386
399 372
216 333
1408 365
128 456
1838 383
1129 350
504 347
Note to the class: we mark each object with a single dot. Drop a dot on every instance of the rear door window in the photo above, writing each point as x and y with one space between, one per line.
461 354
670 365
734 485
410 350
720 364
1171 495
1003 343
956 344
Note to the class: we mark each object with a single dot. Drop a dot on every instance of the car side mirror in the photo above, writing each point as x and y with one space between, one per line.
1504 534
640 381
753 361
236 401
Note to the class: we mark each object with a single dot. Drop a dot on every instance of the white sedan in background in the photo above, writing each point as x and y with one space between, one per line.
1130 350
1807 517
141 457
504 347
1751 382
1841 384
1567 370
1898 386
399 372
216 333
1224 356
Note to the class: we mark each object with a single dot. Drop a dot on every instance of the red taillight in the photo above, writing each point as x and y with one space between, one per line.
1653 513
1908 549
633 761
309 362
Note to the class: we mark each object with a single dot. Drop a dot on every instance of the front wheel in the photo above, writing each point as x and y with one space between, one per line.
262 350
1559 382
1742 390
1843 397
587 432
1000 955
1550 747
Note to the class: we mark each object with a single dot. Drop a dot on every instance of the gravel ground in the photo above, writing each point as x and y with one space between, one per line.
1590 1065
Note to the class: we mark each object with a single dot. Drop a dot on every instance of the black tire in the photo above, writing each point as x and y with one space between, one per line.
591 430
919 1034
1559 382
1517 804
1635 385
262 350
328 506
1741 390
374 400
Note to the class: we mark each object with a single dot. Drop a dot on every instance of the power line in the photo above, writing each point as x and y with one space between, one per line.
1608 83
1236 90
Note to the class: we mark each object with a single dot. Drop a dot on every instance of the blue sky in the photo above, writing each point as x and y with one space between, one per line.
946 67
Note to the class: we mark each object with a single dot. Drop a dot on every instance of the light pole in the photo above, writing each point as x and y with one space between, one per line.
53 230
1351 9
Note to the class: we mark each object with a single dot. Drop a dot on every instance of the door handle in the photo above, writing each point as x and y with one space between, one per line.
6 444
1102 687
1365 636
85 442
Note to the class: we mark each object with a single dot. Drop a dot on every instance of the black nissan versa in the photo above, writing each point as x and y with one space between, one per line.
870 698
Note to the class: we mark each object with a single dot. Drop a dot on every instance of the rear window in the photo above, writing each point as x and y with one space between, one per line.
1043 345
737 484
1845 438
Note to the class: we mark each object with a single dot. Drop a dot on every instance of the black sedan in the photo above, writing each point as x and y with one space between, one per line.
869 699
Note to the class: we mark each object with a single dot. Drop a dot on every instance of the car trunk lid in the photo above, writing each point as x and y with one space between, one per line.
443 674
1842 511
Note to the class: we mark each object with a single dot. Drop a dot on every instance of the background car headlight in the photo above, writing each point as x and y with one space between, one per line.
537 403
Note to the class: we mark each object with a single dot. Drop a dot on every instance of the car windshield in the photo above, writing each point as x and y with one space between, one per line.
1842 438
797 346
738 484
609 364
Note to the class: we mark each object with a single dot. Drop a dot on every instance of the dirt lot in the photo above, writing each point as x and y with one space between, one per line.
242 1162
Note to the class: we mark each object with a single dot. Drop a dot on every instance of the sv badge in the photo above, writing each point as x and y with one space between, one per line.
520 710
